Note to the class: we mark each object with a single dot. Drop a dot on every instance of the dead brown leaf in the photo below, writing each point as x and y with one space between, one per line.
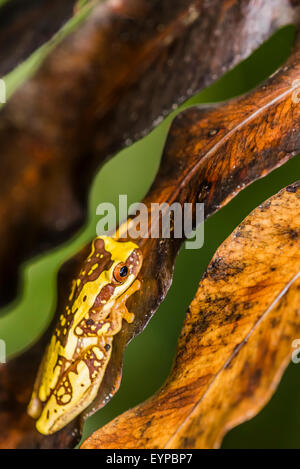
103 87
211 155
236 341
24 26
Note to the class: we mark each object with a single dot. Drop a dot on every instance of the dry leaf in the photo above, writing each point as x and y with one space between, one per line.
211 154
103 87
236 340
24 26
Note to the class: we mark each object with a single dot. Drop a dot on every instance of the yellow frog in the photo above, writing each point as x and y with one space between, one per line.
75 361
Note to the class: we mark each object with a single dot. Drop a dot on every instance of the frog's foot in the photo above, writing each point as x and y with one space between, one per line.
129 317
120 308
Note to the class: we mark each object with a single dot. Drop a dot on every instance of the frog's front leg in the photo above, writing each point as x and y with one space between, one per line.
120 311
110 326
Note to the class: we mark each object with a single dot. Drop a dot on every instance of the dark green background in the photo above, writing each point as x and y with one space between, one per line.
149 357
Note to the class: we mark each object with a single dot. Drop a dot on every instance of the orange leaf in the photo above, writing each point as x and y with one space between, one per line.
236 341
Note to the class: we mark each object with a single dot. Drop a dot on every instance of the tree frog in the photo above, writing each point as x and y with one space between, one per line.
75 361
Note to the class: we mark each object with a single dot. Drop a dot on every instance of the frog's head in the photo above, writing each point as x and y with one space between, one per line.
76 358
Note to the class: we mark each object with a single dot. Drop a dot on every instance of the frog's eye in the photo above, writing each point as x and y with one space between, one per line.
121 272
